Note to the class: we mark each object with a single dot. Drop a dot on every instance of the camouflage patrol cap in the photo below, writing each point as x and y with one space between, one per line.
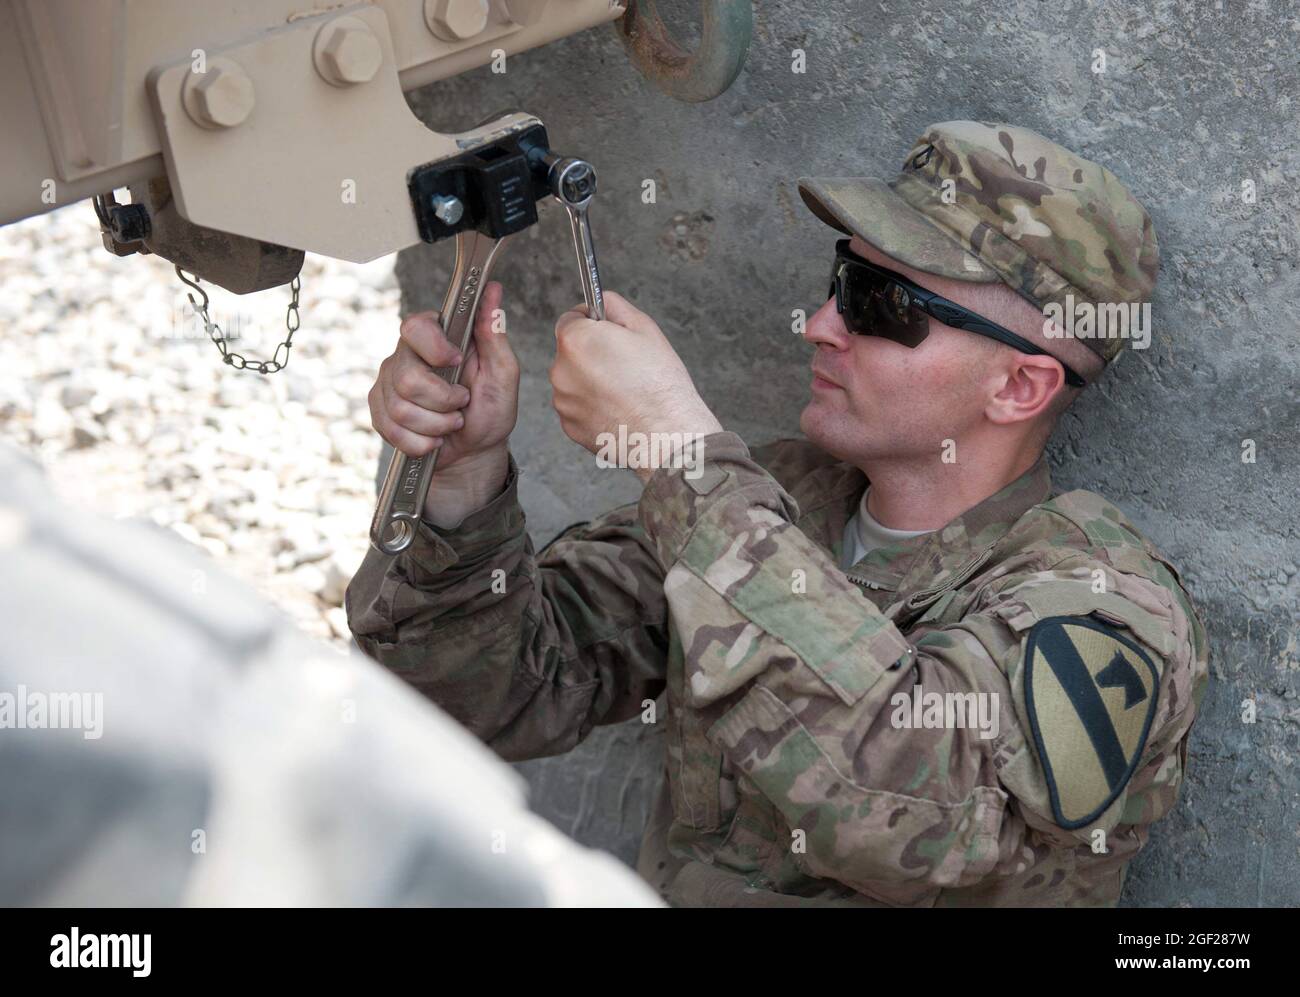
984 202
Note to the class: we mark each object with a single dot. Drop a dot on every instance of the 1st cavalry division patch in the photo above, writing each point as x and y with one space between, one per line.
1091 696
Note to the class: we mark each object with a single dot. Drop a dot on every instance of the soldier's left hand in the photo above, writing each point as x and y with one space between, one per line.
622 372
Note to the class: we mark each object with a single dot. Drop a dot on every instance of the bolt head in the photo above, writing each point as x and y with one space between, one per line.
456 20
448 210
351 55
529 12
579 183
223 96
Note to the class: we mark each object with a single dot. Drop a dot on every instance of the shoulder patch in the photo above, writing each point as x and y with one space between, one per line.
1091 696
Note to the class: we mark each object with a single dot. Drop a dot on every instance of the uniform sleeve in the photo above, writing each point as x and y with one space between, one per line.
527 651
823 685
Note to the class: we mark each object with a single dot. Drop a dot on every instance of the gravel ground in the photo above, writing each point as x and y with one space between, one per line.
109 380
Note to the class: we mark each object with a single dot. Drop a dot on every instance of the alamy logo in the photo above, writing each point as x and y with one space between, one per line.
29 708
645 450
1104 320
100 951
946 711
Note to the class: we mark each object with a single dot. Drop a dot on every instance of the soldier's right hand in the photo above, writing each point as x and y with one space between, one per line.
417 411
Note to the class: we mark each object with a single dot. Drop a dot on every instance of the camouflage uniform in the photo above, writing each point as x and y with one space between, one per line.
790 779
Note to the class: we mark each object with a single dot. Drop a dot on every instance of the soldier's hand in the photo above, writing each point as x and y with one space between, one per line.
622 373
417 411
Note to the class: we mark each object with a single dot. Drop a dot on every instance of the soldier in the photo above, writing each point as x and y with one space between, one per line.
899 669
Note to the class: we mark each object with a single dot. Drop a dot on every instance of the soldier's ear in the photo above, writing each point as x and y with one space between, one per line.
1027 391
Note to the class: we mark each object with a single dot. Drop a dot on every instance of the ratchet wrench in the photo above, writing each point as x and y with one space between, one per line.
573 182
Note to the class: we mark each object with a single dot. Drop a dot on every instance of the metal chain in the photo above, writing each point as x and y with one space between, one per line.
237 360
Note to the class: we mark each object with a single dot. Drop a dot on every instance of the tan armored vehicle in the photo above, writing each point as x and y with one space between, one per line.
251 132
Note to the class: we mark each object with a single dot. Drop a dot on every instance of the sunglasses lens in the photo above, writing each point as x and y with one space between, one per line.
873 305
896 301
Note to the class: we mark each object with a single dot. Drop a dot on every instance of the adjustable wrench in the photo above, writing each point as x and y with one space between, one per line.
406 485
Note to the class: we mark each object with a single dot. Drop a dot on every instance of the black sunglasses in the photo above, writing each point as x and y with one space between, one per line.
879 302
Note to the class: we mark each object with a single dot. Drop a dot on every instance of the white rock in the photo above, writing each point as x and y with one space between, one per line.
165 515
51 422
309 577
299 388
300 543
119 433
246 542
103 402
188 532
209 525
86 433
328 405
299 498
75 395
262 484
338 621
215 547
339 569
163 444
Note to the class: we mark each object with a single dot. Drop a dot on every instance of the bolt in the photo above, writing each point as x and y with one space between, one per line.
348 53
456 20
578 182
529 12
223 96
447 209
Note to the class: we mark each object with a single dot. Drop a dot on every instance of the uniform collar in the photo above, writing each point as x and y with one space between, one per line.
957 548
932 560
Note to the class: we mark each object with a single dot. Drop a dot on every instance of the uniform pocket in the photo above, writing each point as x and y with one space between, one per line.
694 773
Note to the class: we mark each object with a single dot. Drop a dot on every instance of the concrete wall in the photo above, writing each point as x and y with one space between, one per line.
1196 98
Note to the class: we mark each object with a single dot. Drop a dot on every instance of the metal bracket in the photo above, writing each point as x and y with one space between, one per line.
306 163
496 191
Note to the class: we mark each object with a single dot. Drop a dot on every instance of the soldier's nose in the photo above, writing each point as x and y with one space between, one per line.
825 328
